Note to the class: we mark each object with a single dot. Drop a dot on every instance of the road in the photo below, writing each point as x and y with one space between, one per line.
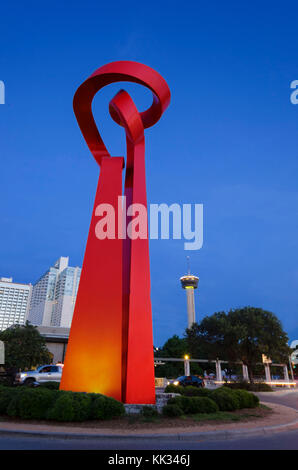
280 441
286 440
287 398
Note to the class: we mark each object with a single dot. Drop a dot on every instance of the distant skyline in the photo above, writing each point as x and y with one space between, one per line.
228 141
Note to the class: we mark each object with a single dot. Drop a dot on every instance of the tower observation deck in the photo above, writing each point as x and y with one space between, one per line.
190 282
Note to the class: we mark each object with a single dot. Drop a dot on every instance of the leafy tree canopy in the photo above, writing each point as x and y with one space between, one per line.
24 347
174 347
240 335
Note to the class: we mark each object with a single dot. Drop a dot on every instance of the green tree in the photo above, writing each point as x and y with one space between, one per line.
174 347
213 338
240 335
24 346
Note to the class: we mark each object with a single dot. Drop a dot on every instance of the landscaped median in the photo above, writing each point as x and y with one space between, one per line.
192 406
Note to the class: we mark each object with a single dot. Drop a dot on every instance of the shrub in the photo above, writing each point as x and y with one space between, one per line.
204 405
71 406
5 381
44 403
98 408
6 396
13 408
190 391
81 406
256 399
191 405
260 387
246 399
243 385
34 404
183 402
113 408
171 388
226 400
105 408
172 411
149 412
250 387
63 409
26 403
50 385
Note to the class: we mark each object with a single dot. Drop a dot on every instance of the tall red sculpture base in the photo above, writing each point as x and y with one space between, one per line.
110 349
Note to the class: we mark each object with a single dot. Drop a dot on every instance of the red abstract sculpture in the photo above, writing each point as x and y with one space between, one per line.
110 348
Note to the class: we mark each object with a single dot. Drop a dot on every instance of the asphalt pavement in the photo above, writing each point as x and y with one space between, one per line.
279 441
284 397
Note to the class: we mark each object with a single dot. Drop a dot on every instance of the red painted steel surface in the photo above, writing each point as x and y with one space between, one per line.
110 347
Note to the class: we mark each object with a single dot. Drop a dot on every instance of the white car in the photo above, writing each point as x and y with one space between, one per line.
47 373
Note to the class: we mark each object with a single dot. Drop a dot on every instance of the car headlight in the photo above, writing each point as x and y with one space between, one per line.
176 383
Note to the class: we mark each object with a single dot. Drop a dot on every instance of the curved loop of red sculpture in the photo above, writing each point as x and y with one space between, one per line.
122 71
110 349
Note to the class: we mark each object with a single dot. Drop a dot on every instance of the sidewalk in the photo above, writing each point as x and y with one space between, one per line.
283 418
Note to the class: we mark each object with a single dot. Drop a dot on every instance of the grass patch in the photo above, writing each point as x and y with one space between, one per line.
220 416
231 416
264 407
150 419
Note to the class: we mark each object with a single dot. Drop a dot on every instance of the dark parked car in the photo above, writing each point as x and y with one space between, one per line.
193 380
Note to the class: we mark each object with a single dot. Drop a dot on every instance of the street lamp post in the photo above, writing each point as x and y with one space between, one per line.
186 365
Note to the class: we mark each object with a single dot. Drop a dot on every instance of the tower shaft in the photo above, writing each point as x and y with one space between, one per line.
191 316
190 283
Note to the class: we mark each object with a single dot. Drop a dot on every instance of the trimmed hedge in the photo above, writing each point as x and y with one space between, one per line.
44 403
50 385
149 412
188 391
63 409
7 394
204 405
198 400
171 388
103 407
172 411
32 405
246 399
197 392
250 387
192 405
191 391
226 399
59 405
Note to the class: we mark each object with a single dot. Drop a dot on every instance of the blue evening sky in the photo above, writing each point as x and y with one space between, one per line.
228 140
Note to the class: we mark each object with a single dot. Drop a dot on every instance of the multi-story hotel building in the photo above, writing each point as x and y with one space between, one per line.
54 295
14 302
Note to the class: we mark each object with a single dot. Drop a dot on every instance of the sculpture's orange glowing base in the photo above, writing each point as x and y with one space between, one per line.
93 358
110 349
